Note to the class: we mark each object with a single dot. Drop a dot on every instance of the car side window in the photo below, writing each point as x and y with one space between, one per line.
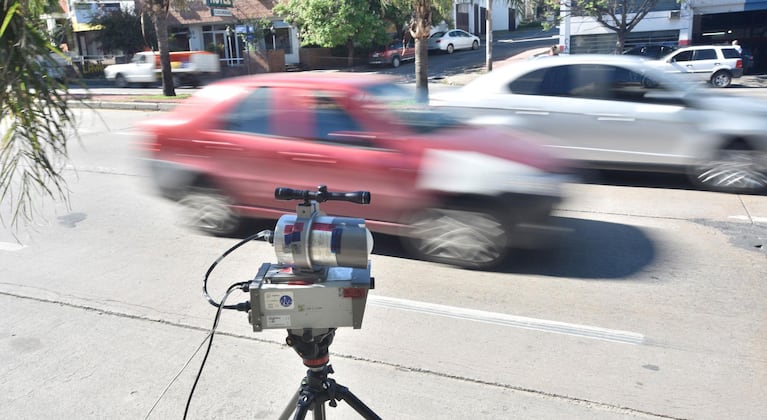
551 81
682 56
251 115
708 54
557 81
527 84
333 123
591 81
730 53
628 85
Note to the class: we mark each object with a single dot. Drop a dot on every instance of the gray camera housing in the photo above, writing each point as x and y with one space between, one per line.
284 298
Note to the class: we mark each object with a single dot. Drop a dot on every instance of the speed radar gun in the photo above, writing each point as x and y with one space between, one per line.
320 283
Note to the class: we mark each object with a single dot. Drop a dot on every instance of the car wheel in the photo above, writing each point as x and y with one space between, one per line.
450 48
209 211
736 169
465 238
395 62
121 81
721 79
474 45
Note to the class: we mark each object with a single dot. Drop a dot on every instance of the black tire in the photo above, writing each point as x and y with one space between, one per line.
209 211
474 239
121 81
450 48
474 45
395 61
721 79
736 169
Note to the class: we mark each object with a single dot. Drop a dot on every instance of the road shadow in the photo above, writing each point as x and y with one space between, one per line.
588 250
670 181
636 179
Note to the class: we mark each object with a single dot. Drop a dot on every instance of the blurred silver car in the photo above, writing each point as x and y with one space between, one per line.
618 112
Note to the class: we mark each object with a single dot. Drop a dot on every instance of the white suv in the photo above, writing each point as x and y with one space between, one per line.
717 64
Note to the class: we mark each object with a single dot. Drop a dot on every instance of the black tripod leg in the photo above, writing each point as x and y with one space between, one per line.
343 393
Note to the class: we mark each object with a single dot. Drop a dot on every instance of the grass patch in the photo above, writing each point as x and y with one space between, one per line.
162 97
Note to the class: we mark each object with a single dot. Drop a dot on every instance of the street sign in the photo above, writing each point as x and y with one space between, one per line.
219 3
220 12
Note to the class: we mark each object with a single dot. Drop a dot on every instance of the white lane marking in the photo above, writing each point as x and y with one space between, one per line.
11 246
750 219
556 327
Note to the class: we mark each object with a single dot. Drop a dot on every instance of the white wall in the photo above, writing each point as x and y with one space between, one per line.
500 13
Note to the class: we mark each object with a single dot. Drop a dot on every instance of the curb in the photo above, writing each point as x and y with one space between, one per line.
128 106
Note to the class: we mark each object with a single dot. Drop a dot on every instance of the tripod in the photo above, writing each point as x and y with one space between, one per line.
316 388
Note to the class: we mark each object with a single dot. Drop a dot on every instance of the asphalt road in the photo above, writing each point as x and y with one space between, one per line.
653 305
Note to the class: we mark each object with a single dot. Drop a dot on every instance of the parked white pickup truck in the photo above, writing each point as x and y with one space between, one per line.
187 67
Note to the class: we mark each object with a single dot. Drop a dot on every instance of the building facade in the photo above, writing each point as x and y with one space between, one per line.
471 16
689 22
233 29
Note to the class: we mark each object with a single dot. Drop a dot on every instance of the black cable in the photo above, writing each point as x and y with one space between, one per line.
263 234
241 286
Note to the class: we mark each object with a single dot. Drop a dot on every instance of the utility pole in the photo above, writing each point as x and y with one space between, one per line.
489 36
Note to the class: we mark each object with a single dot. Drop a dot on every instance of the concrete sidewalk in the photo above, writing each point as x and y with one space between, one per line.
64 360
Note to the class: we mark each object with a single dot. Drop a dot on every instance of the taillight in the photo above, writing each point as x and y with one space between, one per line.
739 64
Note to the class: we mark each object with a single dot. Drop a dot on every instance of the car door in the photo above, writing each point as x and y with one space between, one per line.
463 40
584 121
588 118
697 63
704 63
301 138
409 53
144 69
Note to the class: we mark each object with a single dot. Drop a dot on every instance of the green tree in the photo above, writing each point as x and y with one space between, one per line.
330 23
619 16
122 31
35 120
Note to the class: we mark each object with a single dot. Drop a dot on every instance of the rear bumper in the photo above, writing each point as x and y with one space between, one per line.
379 60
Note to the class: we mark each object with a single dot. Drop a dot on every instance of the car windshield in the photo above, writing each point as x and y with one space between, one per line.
407 111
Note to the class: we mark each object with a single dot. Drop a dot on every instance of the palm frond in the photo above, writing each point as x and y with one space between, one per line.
35 118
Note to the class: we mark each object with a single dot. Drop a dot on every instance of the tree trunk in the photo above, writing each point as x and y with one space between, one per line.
489 37
422 70
419 30
160 20
350 55
620 41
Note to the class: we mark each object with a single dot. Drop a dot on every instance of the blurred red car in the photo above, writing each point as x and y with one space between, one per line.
455 193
